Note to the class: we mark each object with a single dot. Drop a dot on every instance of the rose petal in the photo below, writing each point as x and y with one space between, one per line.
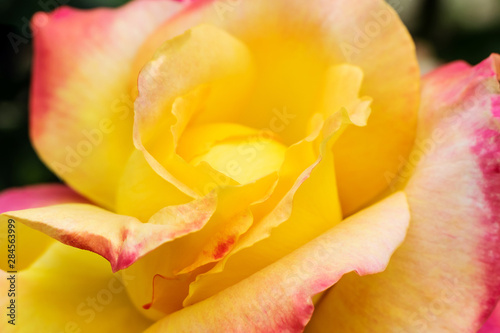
231 219
493 323
142 192
292 223
163 108
67 290
30 244
278 298
118 238
450 259
222 64
83 90
280 226
221 233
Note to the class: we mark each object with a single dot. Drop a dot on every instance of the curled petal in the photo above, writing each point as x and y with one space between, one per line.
31 243
450 259
313 36
279 228
118 238
164 105
278 298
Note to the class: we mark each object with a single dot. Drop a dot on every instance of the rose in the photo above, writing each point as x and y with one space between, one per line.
246 115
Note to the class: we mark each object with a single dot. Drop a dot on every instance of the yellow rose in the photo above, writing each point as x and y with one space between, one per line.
240 158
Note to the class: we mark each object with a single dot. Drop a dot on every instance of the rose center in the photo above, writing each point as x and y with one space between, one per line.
239 152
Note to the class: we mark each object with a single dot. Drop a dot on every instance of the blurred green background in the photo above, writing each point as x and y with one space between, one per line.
445 30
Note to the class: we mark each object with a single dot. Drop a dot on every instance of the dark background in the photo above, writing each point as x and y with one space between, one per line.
449 29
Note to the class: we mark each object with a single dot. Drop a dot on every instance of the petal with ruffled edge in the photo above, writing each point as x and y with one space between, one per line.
279 227
278 298
163 284
293 46
31 243
71 278
83 89
118 238
222 72
450 259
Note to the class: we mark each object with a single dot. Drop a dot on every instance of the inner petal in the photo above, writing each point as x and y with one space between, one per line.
289 79
245 158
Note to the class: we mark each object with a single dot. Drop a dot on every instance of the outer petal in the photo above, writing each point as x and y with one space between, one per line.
493 323
70 290
69 277
30 244
120 239
450 260
278 298
83 88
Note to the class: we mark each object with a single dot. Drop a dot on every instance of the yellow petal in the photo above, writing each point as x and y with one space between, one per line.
343 83
186 255
294 46
245 159
81 105
210 134
278 297
222 62
118 238
294 221
363 156
163 109
142 192
29 243
70 290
